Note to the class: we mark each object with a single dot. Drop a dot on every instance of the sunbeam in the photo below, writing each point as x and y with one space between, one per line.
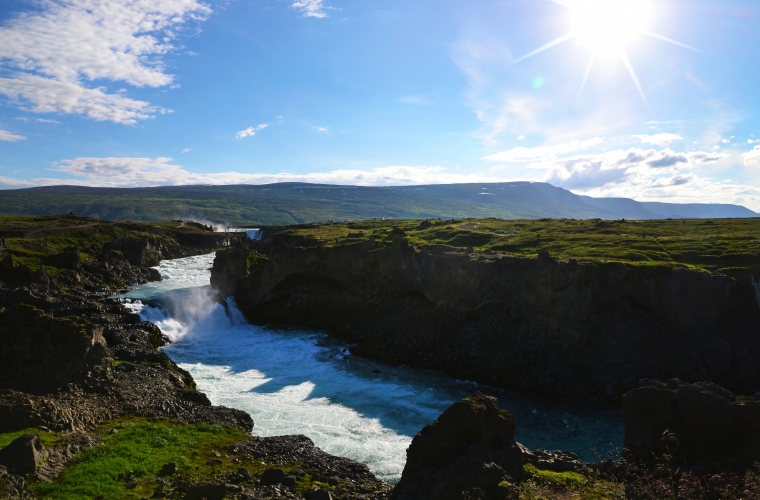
635 78
548 46
585 76
607 27
670 40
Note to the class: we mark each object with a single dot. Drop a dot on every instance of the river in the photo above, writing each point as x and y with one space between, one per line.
295 381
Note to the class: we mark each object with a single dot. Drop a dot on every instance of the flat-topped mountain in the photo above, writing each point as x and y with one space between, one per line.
292 203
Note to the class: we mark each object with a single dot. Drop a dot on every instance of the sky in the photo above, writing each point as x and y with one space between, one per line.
652 100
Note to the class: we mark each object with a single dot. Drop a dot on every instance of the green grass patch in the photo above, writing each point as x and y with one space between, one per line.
568 480
141 447
47 438
544 485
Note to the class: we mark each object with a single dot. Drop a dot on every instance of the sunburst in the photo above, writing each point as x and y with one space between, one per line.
607 27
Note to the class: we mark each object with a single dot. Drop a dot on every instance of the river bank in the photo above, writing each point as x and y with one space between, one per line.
559 328
83 381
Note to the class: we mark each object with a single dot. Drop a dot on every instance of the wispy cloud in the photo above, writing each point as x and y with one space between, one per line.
522 154
133 172
251 131
7 136
186 150
48 56
658 139
310 8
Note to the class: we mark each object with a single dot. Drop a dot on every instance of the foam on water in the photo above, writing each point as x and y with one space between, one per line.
300 382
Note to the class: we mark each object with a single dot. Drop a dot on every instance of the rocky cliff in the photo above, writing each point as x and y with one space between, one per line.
547 326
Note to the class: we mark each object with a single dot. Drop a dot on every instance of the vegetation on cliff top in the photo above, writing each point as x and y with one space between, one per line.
35 240
723 245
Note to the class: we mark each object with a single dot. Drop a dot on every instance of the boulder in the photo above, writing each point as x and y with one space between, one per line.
22 456
469 452
273 476
691 422
555 461
70 258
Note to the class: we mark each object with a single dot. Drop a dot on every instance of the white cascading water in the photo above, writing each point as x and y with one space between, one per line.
300 382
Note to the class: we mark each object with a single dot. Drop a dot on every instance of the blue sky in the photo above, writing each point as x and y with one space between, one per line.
157 92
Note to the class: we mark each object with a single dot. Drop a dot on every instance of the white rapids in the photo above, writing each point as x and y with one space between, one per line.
300 382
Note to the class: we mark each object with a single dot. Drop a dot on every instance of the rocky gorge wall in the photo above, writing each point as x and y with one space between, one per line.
590 330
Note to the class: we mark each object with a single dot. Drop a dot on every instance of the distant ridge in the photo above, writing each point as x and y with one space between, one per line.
290 203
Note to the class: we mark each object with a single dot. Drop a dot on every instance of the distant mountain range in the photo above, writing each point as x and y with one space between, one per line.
289 203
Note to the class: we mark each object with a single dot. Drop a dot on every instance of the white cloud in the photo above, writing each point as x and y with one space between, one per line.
251 131
521 137
132 172
186 150
48 57
647 175
7 136
310 8
45 120
661 140
750 141
521 154
752 158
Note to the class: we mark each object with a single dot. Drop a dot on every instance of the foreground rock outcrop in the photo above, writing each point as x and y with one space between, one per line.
590 330
699 422
468 452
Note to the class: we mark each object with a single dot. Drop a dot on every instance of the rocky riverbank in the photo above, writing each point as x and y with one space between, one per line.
77 366
589 330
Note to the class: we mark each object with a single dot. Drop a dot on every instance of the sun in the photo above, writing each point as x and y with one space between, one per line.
607 28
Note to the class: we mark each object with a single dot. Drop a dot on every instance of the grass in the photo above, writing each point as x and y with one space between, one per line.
47 438
295 203
547 485
141 447
723 245
33 241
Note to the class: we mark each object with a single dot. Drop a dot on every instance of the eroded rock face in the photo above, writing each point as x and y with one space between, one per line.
691 422
590 330
230 267
469 452
39 353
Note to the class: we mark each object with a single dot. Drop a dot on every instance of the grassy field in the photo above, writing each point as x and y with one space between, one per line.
140 447
34 241
296 203
724 245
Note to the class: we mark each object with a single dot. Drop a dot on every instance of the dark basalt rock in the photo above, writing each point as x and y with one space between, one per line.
555 461
40 353
22 456
589 330
691 422
230 266
469 452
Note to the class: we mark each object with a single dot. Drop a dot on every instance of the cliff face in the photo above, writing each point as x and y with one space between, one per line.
691 422
553 327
